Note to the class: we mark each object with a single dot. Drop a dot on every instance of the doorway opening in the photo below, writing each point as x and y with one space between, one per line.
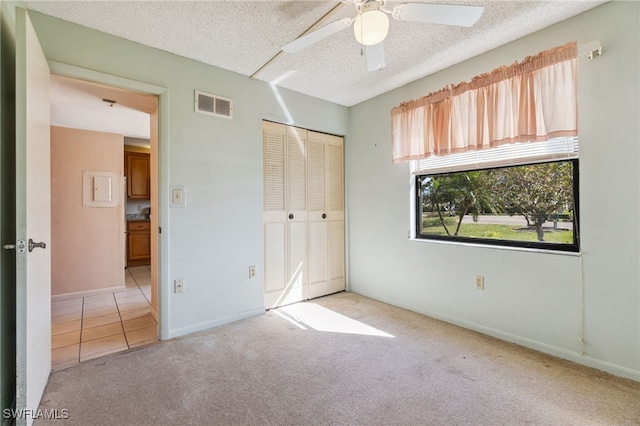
104 255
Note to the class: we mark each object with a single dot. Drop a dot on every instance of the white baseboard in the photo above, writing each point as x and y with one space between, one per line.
214 323
87 293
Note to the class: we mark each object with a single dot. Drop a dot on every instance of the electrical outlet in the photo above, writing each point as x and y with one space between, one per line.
178 285
479 282
252 271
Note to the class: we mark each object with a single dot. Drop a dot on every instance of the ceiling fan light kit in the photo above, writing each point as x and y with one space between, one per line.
371 24
371 27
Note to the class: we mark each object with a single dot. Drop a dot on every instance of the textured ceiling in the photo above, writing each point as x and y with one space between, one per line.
84 105
242 36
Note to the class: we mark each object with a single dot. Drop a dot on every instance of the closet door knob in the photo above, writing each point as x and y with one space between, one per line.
290 215
324 215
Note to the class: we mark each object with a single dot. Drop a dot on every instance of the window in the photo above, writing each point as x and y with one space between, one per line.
532 205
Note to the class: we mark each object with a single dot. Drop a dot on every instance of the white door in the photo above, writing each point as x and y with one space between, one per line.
33 218
326 214
275 215
296 196
335 214
318 250
285 214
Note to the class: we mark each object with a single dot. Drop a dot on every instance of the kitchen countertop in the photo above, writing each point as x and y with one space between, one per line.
138 218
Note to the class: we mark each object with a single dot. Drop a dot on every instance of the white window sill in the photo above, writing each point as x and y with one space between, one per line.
497 247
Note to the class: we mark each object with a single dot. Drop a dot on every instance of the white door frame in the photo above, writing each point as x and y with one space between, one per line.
160 215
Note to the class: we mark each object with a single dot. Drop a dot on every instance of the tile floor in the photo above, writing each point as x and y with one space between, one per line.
91 327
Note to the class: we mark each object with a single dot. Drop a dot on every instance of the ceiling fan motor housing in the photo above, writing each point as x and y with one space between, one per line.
370 5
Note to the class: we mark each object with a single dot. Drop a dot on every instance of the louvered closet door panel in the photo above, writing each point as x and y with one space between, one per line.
335 236
317 172
296 176
296 182
297 287
335 213
318 259
275 262
274 136
318 249
275 213
335 175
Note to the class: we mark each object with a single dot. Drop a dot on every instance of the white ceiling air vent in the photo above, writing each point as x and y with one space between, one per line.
215 105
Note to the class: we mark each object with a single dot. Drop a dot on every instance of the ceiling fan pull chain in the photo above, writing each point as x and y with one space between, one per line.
361 46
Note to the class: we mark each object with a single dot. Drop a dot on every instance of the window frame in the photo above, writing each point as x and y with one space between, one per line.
562 247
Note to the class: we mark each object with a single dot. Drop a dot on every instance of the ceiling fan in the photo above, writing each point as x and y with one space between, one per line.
371 24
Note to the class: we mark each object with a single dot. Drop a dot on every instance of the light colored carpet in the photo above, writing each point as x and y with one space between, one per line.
339 360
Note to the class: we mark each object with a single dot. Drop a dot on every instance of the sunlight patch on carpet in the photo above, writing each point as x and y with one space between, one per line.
319 318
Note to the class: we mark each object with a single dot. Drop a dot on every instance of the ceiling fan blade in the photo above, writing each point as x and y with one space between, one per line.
447 14
375 57
317 35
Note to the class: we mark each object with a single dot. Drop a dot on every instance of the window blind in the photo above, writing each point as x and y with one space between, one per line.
560 148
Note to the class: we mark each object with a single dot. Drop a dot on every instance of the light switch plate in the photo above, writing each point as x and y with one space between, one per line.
178 196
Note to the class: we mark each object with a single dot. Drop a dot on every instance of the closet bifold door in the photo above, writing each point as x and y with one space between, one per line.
335 214
318 229
303 214
274 212
284 214
297 286
326 214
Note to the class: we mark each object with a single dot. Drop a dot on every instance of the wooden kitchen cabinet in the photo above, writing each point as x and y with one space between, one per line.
138 243
137 172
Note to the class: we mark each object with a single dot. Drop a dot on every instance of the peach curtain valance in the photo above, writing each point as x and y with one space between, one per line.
534 100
